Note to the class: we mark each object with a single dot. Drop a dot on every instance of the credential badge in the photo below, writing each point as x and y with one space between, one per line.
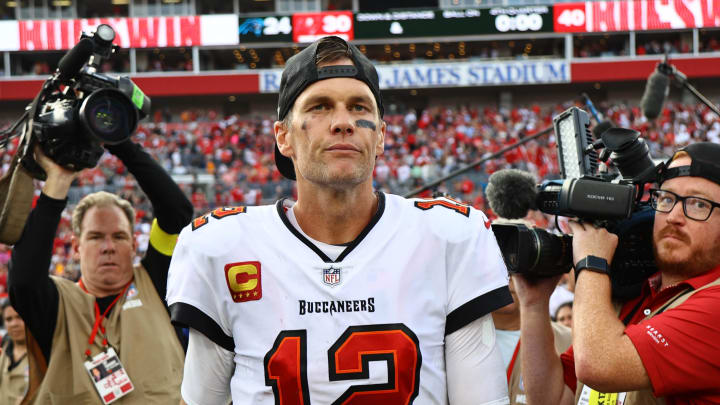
331 275
132 292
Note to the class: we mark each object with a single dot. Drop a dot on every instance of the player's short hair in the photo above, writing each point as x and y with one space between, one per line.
331 49
101 199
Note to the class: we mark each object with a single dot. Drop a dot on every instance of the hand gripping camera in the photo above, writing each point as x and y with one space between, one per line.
76 112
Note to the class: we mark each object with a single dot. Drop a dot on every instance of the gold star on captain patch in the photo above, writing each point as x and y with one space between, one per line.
255 293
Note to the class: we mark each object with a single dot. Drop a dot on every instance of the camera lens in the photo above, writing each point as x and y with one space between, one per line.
105 33
109 116
533 252
554 253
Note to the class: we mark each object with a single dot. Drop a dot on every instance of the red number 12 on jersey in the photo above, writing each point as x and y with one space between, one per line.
348 358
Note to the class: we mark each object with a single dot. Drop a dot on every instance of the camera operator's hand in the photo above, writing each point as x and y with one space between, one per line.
59 178
541 365
589 240
532 292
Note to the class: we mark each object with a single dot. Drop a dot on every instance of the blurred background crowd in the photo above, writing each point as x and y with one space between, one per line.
228 160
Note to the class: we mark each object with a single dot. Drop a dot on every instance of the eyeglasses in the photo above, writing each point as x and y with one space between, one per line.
695 208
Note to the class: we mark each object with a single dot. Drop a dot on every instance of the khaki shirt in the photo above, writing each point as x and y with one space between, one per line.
139 329
13 383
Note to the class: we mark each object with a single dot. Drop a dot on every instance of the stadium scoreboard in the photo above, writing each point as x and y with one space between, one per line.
440 23
229 29
306 27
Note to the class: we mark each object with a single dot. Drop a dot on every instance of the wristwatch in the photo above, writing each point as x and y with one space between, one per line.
592 263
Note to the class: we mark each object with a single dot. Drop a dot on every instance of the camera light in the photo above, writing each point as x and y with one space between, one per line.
571 128
568 151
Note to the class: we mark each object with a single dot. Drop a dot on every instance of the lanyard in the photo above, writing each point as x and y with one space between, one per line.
100 317
512 361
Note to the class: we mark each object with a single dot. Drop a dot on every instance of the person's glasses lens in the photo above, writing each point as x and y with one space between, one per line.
697 208
663 201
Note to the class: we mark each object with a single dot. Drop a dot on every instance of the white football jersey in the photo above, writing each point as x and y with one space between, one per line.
367 328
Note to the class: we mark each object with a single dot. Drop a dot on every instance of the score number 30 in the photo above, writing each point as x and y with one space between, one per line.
348 359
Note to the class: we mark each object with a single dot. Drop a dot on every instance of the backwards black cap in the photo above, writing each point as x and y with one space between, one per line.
705 163
301 70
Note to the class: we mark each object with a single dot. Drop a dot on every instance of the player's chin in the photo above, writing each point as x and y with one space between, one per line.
343 182
344 172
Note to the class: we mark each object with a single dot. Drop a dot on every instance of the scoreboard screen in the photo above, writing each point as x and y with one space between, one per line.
443 23
635 15
276 28
308 27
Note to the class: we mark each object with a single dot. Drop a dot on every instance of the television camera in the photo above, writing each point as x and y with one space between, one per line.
605 188
76 112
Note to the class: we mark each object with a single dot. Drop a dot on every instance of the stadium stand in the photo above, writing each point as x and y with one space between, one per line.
235 154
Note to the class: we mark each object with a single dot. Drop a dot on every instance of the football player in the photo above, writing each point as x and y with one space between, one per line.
347 295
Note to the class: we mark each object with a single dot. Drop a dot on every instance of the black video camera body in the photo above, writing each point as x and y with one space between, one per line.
79 109
610 200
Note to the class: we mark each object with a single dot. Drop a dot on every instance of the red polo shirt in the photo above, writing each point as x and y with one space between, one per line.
680 347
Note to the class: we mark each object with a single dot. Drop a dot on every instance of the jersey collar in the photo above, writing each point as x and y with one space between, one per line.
374 220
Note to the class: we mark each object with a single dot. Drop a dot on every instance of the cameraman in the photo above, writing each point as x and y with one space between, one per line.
664 342
115 306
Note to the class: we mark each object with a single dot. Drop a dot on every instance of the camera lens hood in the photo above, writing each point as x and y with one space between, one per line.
108 116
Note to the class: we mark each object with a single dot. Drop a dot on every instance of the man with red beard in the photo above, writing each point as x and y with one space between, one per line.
662 348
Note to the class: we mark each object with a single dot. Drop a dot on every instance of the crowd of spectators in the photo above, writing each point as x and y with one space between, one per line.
226 161
710 44
160 63
600 46
656 47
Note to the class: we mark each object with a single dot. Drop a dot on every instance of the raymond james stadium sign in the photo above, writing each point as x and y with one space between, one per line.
461 74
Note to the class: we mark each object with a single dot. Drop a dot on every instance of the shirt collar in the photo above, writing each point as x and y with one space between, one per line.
653 282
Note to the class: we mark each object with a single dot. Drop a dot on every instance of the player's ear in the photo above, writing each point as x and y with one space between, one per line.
380 147
282 138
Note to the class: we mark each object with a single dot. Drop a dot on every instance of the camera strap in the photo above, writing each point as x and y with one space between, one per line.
16 195
16 186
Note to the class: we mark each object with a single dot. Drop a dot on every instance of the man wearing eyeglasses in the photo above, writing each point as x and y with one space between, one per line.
664 347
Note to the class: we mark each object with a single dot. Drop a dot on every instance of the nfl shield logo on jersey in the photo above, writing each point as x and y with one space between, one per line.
331 276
